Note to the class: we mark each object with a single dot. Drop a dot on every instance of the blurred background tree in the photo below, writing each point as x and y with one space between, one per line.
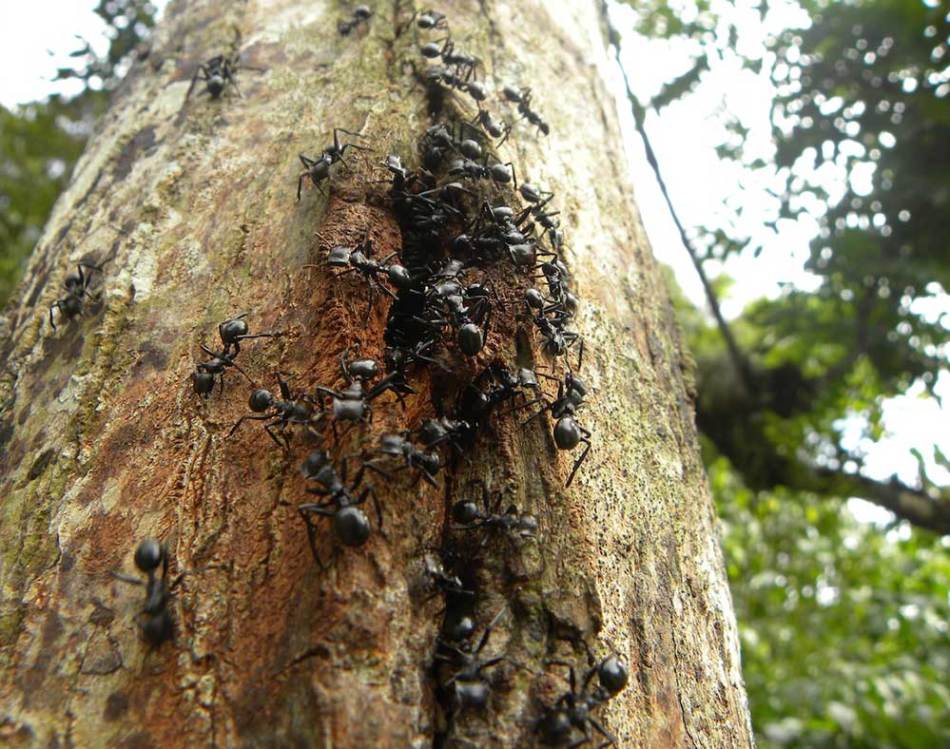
40 141
843 621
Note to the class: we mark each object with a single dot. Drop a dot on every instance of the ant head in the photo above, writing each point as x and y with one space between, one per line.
465 513
148 555
260 400
555 726
458 628
529 192
534 299
215 85
430 50
612 675
314 462
231 329
399 277
363 369
339 257
477 91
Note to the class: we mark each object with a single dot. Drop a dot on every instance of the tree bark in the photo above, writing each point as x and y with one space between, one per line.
192 204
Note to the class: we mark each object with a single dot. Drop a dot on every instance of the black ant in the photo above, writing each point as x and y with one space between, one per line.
495 129
319 169
568 434
451 586
156 621
430 19
360 260
498 173
465 65
350 523
468 516
203 378
235 330
217 73
469 688
290 409
456 433
361 14
352 403
438 74
522 98
77 291
573 710
398 446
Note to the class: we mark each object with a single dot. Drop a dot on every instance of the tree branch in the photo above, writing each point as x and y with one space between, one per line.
917 506
739 360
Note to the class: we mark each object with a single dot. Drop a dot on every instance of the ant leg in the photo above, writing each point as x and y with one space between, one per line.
58 305
611 741
194 80
246 418
366 494
514 176
577 463
491 625
304 511
300 183
285 444
246 375
122 578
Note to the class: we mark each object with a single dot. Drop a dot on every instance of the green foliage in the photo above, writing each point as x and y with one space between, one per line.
861 98
41 141
843 628
37 154
843 623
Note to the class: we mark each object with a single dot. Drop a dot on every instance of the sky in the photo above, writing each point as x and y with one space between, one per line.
684 137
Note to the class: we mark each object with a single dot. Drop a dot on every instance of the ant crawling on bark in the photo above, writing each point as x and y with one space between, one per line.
350 523
494 128
360 260
361 15
573 711
232 332
430 19
220 71
465 65
522 97
427 464
568 434
438 74
77 291
235 330
290 409
352 403
203 378
468 516
467 683
318 169
156 621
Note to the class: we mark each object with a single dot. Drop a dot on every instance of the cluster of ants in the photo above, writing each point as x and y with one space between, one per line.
441 309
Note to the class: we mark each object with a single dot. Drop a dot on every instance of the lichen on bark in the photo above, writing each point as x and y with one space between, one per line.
192 204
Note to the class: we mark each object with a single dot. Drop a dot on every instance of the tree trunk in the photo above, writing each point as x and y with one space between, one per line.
192 205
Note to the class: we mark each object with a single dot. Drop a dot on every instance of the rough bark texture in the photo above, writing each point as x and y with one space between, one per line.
105 443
